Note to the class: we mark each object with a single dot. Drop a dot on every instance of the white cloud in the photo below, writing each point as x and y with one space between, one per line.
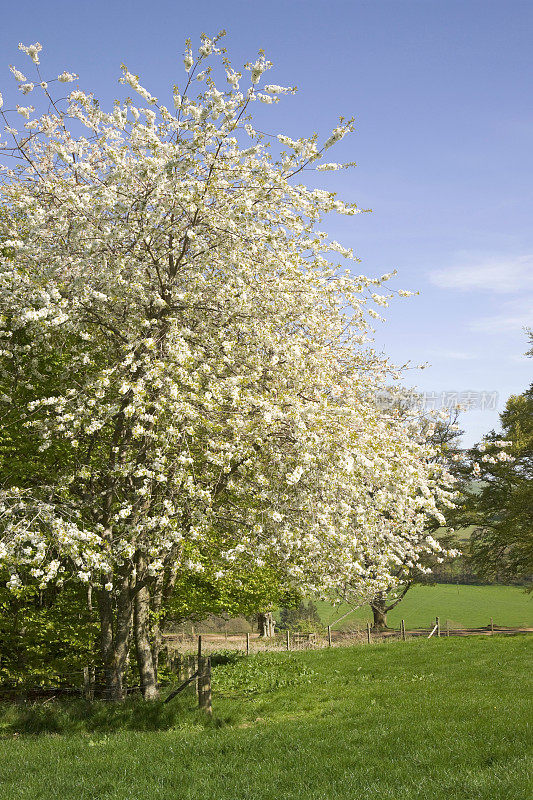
487 273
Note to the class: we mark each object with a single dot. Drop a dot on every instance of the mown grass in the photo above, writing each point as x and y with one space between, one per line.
433 719
464 606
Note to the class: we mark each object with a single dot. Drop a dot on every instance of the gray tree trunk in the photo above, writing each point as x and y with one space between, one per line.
381 607
156 607
266 623
378 604
115 630
143 644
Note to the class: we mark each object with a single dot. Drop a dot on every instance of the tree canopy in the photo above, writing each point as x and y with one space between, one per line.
189 356
500 502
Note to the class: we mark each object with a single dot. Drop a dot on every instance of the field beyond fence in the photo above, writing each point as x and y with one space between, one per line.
252 643
465 606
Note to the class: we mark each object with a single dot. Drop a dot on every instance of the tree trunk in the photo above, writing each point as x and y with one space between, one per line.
262 625
143 648
265 623
381 607
115 629
156 607
378 604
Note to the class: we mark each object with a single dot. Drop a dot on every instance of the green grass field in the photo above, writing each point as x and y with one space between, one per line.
463 606
442 719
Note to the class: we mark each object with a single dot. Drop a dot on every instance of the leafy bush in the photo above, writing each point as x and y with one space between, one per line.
47 637
261 673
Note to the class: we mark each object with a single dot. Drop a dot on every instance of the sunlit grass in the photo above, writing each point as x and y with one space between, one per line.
423 719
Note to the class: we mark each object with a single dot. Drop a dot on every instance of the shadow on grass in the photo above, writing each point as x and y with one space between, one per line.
223 657
83 716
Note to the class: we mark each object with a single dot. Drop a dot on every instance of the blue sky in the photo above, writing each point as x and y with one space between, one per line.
441 91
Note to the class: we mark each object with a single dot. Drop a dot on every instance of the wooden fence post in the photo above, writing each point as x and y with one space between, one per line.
368 632
437 623
199 659
403 630
288 640
329 635
447 627
191 669
204 685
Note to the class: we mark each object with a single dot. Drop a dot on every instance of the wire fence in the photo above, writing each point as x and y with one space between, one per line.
250 643
186 658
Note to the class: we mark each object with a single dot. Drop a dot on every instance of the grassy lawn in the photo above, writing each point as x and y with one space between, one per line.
464 606
422 719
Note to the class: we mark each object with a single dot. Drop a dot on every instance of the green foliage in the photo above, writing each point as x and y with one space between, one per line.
47 636
501 505
302 617
245 590
22 462
265 672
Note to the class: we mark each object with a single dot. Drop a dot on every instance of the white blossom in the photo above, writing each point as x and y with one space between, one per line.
67 77
32 50
19 76
215 364
188 60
